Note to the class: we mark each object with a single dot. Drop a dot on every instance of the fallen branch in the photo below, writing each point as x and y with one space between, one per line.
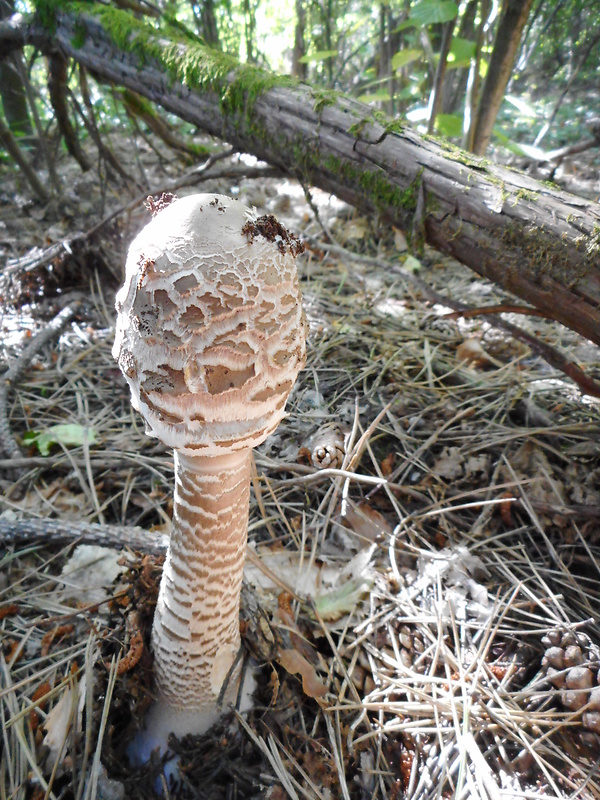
504 308
22 532
532 239
38 257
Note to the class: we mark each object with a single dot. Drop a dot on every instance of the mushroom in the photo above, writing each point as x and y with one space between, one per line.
210 336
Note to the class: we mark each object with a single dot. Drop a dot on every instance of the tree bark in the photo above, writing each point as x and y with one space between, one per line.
473 85
435 100
540 243
506 46
12 91
57 89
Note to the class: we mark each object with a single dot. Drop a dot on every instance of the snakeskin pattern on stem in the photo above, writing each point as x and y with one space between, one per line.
196 637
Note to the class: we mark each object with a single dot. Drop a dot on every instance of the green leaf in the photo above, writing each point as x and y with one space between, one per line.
449 124
408 92
409 23
430 12
511 145
381 96
69 435
411 263
340 601
319 55
404 57
461 52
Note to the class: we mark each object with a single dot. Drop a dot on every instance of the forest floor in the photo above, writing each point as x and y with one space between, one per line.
429 506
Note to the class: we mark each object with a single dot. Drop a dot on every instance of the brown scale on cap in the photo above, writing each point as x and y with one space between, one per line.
273 231
156 206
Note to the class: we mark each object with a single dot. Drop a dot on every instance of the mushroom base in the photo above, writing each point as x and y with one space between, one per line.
162 720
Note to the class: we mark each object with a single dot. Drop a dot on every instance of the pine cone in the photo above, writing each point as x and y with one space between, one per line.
572 663
411 647
327 447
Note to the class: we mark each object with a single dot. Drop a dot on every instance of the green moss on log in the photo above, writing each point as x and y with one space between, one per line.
552 257
385 197
376 117
323 98
174 49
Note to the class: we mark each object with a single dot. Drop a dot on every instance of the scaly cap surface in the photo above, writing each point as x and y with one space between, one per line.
210 330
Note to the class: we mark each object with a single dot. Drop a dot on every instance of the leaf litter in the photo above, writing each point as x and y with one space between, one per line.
422 595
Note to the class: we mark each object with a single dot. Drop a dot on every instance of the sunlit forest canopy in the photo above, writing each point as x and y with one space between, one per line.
424 61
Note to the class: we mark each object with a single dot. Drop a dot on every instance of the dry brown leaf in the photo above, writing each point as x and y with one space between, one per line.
8 610
472 352
274 685
399 240
366 522
476 464
531 465
40 698
68 505
295 663
88 572
354 229
387 465
58 724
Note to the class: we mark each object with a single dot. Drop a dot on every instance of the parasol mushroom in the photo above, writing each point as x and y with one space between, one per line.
210 337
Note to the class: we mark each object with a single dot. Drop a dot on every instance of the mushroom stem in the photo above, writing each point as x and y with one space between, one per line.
196 636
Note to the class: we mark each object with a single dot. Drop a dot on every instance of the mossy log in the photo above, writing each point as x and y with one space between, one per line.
538 242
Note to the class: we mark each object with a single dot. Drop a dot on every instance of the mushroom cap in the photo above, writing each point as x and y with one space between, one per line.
210 329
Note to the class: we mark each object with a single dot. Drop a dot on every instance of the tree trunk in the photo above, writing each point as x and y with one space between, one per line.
299 68
14 100
8 142
435 100
57 89
455 83
12 91
500 67
473 84
250 30
540 243
209 30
